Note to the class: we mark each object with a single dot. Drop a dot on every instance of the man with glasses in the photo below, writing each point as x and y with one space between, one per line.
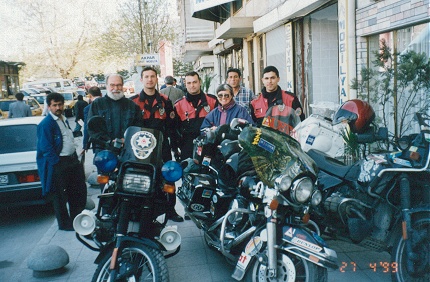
118 111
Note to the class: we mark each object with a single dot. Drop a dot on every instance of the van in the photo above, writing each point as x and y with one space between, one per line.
55 83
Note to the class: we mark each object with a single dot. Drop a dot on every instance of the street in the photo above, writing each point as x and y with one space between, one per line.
24 228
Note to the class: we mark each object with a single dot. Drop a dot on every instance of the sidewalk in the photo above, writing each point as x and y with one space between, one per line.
196 262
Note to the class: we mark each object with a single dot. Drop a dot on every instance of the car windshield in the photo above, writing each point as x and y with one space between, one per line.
67 96
18 138
4 105
40 99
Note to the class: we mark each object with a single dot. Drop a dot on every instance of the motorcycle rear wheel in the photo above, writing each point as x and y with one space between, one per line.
290 268
150 264
420 247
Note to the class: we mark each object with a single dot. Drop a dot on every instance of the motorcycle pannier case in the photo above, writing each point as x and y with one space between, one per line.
197 191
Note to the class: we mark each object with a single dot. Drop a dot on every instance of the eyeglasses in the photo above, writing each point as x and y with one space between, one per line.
115 85
220 96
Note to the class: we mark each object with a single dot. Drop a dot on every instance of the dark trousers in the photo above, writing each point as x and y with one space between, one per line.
68 187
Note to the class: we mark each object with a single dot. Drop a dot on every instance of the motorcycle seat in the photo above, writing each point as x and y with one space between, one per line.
331 165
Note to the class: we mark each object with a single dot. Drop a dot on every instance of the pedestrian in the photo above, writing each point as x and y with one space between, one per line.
157 113
242 95
190 112
227 109
118 111
61 174
172 92
78 109
95 93
19 108
272 95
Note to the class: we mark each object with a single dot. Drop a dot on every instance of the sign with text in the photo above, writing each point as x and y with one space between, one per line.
343 51
148 59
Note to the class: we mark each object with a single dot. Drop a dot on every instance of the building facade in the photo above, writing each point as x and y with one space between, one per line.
319 46
9 78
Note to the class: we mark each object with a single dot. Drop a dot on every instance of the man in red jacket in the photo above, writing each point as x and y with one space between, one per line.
271 95
190 111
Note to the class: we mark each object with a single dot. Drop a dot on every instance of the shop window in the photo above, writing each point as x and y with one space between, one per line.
407 94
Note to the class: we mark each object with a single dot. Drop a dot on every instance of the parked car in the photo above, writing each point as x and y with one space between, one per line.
70 98
36 108
19 179
128 87
29 91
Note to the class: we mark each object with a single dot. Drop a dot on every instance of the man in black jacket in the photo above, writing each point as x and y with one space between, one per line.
118 111
79 112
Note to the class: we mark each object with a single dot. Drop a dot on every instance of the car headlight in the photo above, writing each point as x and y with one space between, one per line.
171 171
136 183
302 189
283 183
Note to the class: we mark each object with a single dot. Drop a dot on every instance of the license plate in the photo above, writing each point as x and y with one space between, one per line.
4 179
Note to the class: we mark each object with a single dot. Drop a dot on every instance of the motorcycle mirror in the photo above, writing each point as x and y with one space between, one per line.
237 123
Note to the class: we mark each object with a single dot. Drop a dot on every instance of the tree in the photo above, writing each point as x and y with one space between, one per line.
396 83
180 68
142 27
59 41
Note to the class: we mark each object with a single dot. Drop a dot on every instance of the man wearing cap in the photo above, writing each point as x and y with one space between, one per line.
170 91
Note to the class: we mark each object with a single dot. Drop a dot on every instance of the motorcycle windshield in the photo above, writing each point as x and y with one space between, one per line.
274 154
143 145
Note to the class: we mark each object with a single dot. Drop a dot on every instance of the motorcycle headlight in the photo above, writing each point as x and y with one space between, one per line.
171 171
283 183
105 161
136 183
302 189
316 198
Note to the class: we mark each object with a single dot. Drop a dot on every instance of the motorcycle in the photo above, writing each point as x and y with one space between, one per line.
264 227
129 227
381 201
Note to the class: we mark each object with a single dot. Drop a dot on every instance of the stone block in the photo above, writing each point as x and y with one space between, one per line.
47 260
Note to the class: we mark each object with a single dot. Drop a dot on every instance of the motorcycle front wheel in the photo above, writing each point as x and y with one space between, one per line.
420 247
136 263
290 268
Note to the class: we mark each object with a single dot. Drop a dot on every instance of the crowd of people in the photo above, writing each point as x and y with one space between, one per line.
179 114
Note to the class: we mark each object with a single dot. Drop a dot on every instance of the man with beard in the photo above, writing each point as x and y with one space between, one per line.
118 111
190 111
272 95
61 174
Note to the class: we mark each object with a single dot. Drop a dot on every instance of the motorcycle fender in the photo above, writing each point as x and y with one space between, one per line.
109 247
252 248
310 246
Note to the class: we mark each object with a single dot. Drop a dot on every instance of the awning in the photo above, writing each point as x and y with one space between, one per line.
207 9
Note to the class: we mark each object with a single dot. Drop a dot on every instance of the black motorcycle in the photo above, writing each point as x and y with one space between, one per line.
382 202
259 221
129 228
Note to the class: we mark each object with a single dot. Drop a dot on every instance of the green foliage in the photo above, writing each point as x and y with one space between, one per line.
180 68
352 147
206 82
395 84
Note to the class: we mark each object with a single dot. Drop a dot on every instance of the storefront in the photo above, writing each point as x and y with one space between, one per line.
9 78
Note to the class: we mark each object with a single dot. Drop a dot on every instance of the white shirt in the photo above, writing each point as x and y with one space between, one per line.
67 134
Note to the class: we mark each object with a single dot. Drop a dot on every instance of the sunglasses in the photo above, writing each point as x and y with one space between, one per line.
223 96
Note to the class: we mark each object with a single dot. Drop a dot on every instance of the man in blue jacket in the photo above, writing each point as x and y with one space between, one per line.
61 174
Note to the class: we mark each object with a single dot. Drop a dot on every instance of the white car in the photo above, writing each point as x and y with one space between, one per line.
19 179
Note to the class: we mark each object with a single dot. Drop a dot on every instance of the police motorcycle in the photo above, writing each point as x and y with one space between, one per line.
284 246
381 201
129 227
